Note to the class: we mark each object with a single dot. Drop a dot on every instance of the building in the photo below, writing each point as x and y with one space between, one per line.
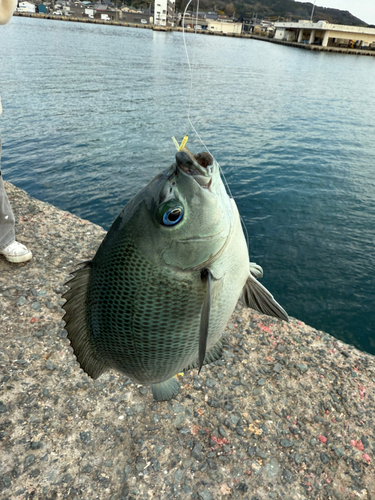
164 12
105 12
26 7
325 34
264 28
212 15
136 17
224 26
192 20
247 25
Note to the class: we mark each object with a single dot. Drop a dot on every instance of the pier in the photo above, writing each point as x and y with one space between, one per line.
287 413
319 48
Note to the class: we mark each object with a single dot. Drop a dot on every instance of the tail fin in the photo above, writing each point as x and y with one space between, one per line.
76 322
164 391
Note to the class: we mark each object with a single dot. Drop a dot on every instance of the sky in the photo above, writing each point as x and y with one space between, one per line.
363 9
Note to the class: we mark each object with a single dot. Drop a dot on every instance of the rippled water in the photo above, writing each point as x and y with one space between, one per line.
89 112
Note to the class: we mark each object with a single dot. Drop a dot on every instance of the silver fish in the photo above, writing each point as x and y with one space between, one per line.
155 299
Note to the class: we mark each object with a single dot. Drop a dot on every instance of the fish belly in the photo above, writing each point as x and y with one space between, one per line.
143 322
230 273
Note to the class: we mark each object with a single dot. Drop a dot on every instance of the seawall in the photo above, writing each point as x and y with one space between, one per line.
317 48
288 413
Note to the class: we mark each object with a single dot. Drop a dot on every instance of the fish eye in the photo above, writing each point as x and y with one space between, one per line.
170 213
173 216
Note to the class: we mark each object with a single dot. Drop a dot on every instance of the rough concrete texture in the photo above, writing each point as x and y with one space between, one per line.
286 414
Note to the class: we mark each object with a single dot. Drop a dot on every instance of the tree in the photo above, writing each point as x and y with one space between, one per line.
229 9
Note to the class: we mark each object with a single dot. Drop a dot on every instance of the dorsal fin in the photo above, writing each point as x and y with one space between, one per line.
76 322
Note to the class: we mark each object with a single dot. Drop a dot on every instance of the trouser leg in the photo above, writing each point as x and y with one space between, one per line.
6 215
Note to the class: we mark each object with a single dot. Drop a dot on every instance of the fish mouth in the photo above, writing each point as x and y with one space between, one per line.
198 166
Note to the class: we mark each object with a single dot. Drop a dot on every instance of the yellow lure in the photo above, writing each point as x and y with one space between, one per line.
183 143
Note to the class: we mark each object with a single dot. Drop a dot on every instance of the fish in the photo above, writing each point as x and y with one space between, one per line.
156 297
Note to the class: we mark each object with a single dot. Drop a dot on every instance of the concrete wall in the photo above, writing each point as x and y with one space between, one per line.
280 34
136 17
288 35
59 420
330 35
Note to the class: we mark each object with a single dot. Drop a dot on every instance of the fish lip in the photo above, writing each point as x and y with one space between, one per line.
188 164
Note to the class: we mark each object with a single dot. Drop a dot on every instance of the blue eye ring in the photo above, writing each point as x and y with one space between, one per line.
170 213
173 216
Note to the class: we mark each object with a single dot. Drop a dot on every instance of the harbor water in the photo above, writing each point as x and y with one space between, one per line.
88 115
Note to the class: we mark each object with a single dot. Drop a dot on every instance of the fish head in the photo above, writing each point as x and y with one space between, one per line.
183 218
193 213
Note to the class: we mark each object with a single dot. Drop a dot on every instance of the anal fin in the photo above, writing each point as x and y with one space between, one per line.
164 391
259 298
76 323
214 354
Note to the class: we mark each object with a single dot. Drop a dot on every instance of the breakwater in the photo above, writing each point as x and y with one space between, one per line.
286 413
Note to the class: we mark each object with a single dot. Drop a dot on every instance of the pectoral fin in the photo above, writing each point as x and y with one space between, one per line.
259 298
205 319
256 270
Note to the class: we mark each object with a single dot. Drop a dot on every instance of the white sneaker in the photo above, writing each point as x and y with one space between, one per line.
16 252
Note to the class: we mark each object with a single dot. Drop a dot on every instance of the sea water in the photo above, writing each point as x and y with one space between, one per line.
88 115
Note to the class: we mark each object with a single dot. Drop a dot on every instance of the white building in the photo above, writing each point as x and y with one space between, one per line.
26 7
164 12
224 26
325 34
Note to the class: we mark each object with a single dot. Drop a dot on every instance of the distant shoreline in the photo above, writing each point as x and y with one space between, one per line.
125 24
340 50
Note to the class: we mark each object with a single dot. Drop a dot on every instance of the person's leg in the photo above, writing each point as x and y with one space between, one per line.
9 247
7 234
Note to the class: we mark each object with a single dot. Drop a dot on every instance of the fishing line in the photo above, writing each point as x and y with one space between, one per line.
191 123
191 94
191 79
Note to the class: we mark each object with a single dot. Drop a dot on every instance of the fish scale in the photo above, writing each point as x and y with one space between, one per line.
138 334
